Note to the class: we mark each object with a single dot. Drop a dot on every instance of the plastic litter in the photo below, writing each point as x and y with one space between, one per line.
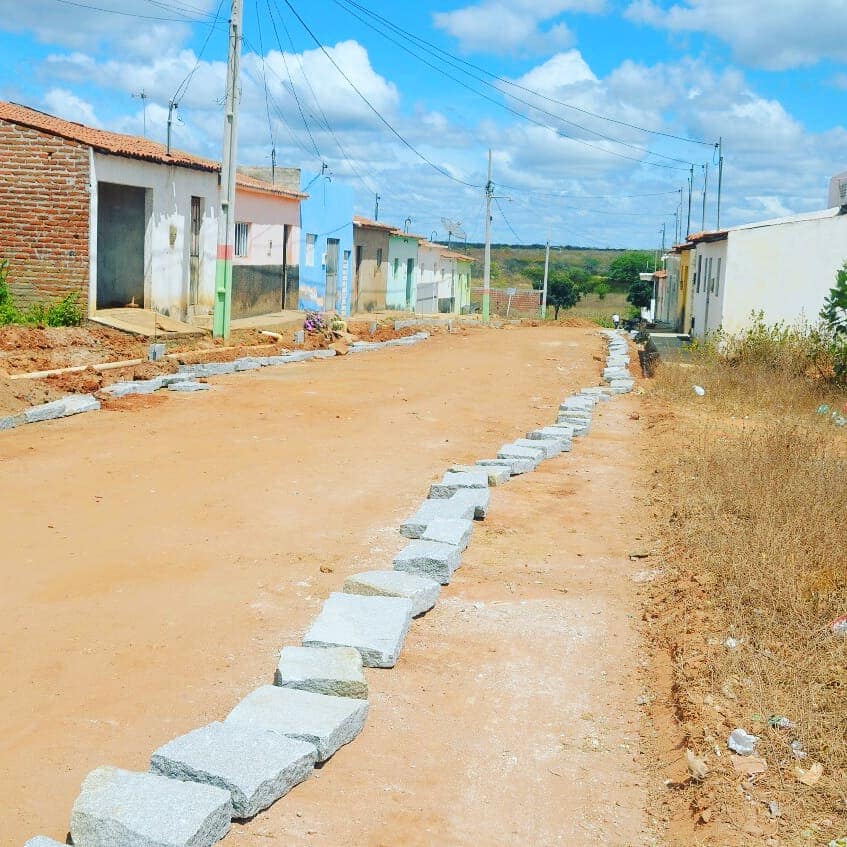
731 643
823 409
740 741
797 750
774 809
839 420
839 842
780 722
699 391
839 626
811 776
697 767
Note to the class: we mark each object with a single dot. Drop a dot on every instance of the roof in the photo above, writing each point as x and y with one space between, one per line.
823 214
401 233
452 254
251 183
358 220
130 146
708 235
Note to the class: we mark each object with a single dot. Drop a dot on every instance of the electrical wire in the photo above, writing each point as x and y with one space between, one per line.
182 88
373 108
522 115
506 221
136 15
503 80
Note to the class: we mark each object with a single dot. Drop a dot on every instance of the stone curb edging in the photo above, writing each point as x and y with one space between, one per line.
201 781
185 380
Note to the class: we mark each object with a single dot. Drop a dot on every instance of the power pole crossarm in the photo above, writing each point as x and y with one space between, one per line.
226 219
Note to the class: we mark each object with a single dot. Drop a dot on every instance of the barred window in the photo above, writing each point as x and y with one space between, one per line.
242 235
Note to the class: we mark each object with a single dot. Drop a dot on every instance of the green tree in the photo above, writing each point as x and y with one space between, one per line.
834 312
601 290
562 292
592 265
624 270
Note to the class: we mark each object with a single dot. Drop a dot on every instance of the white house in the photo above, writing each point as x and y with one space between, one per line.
783 268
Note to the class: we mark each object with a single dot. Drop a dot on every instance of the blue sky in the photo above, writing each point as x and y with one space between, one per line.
571 154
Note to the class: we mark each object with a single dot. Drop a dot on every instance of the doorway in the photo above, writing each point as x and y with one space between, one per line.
121 224
333 247
410 279
360 254
194 255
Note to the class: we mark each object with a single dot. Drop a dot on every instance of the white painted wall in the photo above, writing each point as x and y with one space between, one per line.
268 215
785 269
710 267
166 263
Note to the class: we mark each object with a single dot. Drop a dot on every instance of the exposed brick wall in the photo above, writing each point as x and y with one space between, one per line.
44 207
525 301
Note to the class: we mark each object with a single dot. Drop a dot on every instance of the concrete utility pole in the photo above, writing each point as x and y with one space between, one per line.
690 192
226 219
486 277
377 198
172 107
720 179
705 191
546 274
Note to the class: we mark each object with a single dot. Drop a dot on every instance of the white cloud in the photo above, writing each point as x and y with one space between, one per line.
513 26
775 36
65 104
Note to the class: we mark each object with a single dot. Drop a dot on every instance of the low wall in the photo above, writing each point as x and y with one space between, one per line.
258 289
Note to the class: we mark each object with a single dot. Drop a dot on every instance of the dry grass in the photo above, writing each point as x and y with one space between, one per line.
750 491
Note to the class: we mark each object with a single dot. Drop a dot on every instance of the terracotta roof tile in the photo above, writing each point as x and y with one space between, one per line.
251 183
360 221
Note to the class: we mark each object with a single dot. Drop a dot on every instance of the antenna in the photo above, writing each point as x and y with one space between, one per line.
453 228
143 96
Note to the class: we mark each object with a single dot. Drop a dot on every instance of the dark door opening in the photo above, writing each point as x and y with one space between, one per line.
360 254
194 254
121 222
333 248
410 278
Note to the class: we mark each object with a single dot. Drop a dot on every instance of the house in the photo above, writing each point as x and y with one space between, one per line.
122 221
444 284
401 292
370 274
709 274
265 272
459 270
429 277
326 246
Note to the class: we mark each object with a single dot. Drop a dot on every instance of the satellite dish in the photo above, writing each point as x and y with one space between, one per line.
453 228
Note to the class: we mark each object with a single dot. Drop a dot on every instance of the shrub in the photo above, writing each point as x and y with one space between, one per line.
601 290
64 312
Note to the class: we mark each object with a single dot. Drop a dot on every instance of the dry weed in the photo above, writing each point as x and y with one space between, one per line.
750 487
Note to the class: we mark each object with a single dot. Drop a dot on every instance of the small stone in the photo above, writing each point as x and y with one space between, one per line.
457 533
639 553
375 626
300 337
336 671
429 558
452 482
420 590
256 766
118 808
326 722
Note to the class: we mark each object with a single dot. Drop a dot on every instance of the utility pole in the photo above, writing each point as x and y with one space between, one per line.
705 190
226 218
690 192
273 165
376 206
663 239
720 179
486 277
546 275
172 107
143 96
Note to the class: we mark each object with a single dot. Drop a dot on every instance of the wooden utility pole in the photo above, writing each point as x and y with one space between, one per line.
226 217
486 278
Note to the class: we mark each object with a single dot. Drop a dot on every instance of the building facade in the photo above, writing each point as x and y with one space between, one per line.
402 271
370 265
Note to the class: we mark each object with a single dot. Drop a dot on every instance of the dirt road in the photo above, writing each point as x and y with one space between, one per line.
157 558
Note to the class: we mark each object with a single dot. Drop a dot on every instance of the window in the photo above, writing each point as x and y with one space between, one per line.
379 257
718 278
242 239
699 272
396 268
311 238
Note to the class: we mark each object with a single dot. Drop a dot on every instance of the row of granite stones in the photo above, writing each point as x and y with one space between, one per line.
272 740
186 380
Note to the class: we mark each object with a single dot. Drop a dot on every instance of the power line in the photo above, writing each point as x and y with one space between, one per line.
516 112
271 133
373 108
505 81
506 220
124 14
182 88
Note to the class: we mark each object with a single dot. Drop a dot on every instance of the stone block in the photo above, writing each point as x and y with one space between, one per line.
255 766
77 404
336 671
324 354
432 559
549 447
182 376
189 386
398 325
579 427
248 363
452 482
478 497
365 346
326 722
118 808
578 403
534 453
156 352
497 474
557 433
430 510
450 531
44 412
300 336
601 392
11 422
43 841
515 466
622 386
420 590
213 368
375 626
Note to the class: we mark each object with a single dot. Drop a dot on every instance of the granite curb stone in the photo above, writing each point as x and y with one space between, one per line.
326 722
515 466
420 590
430 510
119 808
451 482
450 531
432 559
375 626
256 766
336 671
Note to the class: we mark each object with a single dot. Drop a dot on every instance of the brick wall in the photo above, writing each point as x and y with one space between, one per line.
526 301
44 206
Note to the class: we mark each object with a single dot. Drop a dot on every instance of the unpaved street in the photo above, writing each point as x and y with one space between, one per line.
158 555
